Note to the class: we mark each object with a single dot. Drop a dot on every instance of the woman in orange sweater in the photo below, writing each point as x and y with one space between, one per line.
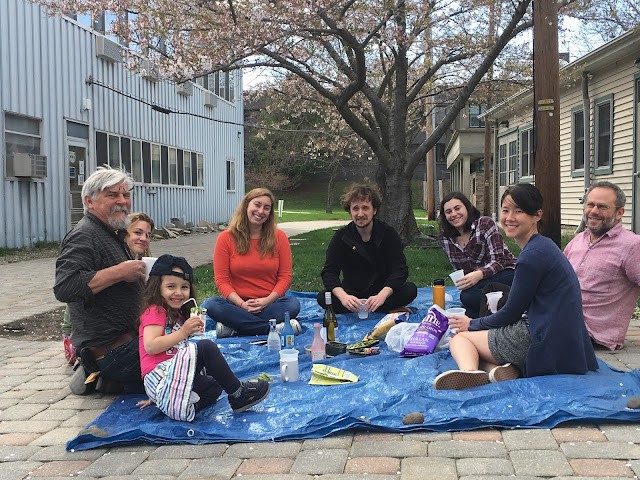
252 270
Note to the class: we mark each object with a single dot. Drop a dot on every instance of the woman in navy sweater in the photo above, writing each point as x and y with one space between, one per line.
551 338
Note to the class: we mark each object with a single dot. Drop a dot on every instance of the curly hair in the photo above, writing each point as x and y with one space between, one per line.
361 192
239 225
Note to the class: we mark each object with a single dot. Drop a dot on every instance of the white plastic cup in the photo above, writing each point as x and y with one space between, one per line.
148 263
493 298
362 311
457 275
289 365
455 311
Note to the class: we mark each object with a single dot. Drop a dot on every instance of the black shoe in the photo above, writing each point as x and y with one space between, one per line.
253 392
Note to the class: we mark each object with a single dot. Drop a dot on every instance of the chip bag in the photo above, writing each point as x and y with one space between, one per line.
426 337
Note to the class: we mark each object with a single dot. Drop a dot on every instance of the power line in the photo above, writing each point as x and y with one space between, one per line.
167 111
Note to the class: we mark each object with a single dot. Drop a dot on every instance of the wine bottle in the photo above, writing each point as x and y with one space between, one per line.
329 321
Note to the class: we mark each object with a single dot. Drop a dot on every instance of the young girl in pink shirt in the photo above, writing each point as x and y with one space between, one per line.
182 377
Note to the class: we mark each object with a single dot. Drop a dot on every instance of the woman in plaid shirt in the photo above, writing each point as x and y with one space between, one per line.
473 243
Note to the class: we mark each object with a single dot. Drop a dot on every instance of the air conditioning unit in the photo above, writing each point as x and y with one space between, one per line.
185 89
148 71
26 165
210 99
108 50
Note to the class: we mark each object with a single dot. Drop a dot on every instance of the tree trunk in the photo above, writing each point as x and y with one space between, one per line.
396 207
332 181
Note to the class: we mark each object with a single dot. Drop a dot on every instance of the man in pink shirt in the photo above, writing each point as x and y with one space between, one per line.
606 258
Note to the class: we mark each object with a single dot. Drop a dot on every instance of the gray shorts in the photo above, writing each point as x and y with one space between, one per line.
510 344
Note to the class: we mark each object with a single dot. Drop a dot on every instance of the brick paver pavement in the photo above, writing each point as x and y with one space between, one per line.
38 414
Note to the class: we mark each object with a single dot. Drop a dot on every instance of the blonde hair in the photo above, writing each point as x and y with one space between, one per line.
239 225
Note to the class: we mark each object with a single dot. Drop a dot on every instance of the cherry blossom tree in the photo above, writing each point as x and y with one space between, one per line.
364 58
299 134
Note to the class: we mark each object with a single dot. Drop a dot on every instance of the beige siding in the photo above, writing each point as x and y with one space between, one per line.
618 82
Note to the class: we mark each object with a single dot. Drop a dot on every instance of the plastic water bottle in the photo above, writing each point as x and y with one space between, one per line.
273 339
288 339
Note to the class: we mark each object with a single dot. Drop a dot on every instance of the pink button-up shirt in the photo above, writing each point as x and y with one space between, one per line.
609 274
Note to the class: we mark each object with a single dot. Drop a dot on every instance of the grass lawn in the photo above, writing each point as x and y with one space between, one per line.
425 264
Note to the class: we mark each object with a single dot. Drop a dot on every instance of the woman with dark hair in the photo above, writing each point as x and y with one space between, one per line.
473 243
551 338
252 266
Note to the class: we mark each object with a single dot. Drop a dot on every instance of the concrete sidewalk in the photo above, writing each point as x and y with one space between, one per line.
26 288
38 414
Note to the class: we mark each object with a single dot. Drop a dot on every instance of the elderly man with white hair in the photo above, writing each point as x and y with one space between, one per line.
97 277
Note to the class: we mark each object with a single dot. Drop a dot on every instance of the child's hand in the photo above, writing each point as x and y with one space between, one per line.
144 403
193 325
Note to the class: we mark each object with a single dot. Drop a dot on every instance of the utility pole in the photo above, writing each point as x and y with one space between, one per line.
546 113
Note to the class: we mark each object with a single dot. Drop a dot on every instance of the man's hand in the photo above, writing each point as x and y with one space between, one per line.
133 270
375 301
129 271
144 403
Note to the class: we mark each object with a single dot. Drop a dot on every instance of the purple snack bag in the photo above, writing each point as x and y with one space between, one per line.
425 339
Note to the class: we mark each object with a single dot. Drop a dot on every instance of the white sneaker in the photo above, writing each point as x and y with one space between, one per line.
504 372
295 325
222 331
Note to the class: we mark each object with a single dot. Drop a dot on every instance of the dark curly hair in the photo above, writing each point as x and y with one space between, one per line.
361 192
473 214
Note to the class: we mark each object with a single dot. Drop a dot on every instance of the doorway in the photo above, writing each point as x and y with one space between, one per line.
77 168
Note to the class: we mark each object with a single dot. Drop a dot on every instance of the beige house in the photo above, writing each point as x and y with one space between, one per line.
464 154
610 77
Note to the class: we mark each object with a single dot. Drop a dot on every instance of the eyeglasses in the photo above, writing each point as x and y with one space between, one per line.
603 207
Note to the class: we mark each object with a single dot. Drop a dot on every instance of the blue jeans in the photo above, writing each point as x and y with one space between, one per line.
122 365
222 310
471 297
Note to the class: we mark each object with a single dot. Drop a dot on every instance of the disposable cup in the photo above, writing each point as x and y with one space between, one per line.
362 312
455 311
457 275
493 298
148 263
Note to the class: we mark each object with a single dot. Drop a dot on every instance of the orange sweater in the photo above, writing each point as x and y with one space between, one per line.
249 275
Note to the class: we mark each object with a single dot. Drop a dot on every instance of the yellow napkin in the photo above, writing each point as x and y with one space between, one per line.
327 375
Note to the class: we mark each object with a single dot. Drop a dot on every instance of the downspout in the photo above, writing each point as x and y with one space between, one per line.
586 116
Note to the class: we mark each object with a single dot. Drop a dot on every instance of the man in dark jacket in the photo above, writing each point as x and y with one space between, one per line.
369 253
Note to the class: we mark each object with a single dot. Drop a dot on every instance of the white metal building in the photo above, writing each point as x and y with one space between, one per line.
68 105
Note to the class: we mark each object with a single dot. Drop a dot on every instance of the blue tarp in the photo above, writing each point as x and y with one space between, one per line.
389 388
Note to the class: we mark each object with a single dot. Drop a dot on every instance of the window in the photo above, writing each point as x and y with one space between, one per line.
200 169
502 164
136 160
231 175
114 151
527 162
513 161
149 162
155 164
474 121
173 167
603 122
220 83
21 134
186 163
577 139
